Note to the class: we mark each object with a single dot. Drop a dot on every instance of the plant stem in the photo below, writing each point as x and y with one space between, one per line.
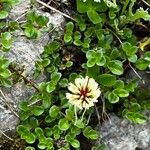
124 7
75 111
63 14
6 135
25 79
146 3
137 74
98 116
115 36
83 114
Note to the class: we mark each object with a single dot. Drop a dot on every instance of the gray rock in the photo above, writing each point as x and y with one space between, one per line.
121 134
20 9
25 52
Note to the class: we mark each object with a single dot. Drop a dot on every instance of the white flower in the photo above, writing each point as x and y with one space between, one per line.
84 92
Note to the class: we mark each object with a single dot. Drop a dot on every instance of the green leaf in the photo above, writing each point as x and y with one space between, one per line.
49 119
106 79
139 14
114 54
23 105
69 27
24 115
57 132
63 82
42 20
116 67
69 114
45 62
29 148
110 4
31 16
89 133
26 134
31 32
22 130
95 57
5 73
136 117
121 92
63 124
67 38
33 122
6 82
147 56
131 86
91 62
39 133
93 72
99 34
94 16
79 124
46 101
50 87
81 6
101 60
77 35
48 131
37 110
51 47
42 145
75 130
75 143
129 49
135 107
133 58
30 138
55 76
113 98
7 40
100 147
141 64
3 14
118 84
54 111
68 64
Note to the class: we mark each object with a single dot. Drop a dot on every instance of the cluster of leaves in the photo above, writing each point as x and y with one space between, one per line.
6 6
35 24
5 26
51 128
108 61
6 40
47 117
4 72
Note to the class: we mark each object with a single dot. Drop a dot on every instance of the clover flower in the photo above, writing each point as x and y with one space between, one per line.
84 92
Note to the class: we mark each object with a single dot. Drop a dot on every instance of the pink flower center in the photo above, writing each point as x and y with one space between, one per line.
83 94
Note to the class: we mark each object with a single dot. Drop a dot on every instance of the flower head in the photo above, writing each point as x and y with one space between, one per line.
84 92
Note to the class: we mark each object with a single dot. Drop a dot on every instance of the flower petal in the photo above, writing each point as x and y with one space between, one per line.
74 89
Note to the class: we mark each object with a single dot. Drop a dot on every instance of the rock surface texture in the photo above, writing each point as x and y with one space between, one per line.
121 134
24 52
